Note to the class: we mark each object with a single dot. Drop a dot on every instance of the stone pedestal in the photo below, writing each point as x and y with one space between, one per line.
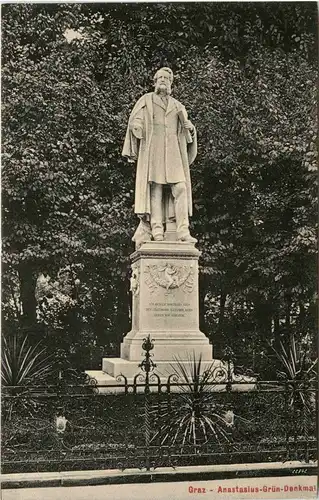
164 288
165 303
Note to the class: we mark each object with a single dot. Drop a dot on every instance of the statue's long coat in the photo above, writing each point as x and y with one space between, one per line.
142 150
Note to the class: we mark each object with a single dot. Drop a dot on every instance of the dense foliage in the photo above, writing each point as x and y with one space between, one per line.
71 74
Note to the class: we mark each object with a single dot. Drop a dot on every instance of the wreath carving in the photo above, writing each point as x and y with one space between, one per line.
169 276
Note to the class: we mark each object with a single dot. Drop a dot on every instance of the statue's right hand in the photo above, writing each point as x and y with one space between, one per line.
138 131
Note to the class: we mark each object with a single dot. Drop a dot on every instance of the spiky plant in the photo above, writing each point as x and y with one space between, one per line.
298 368
295 361
23 366
192 417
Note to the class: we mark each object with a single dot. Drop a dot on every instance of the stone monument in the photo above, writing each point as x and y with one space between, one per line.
164 282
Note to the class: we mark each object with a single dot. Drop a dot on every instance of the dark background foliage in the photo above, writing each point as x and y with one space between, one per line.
70 76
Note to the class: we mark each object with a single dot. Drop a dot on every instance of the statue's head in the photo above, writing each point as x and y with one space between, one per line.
163 80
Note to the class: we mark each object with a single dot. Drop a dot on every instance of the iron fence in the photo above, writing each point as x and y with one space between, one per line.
152 422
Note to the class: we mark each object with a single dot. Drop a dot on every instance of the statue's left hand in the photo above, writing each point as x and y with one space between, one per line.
188 125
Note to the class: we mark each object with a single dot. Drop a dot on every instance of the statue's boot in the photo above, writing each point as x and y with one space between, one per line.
157 231
188 238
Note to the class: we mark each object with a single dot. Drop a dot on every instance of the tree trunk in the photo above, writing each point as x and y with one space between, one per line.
28 280
276 328
302 314
222 302
288 304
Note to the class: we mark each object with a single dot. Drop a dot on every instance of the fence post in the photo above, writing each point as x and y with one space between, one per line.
287 417
228 356
295 414
306 413
147 366
60 420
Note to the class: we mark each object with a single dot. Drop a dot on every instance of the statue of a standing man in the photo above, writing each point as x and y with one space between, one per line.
163 141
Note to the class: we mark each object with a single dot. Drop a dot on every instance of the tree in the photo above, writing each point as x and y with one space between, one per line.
71 73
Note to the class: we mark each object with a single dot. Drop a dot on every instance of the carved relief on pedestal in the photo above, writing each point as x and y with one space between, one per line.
169 276
135 281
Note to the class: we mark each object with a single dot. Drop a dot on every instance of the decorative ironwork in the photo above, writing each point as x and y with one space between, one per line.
147 365
261 421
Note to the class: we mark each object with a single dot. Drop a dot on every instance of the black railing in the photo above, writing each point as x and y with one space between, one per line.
210 417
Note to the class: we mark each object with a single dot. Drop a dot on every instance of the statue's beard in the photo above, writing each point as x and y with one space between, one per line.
162 88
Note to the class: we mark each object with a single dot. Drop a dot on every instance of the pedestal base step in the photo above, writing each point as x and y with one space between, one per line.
168 345
119 366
